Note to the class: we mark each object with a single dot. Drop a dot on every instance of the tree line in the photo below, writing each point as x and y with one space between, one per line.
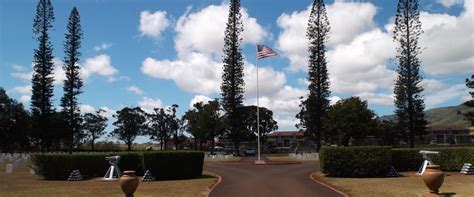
347 121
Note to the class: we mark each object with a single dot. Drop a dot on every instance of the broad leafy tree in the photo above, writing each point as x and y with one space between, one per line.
73 82
174 125
205 122
315 105
42 80
348 119
130 124
409 103
267 123
161 125
193 125
232 87
94 125
14 124
388 132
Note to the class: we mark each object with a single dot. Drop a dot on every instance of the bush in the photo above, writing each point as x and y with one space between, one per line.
449 159
58 166
168 165
355 161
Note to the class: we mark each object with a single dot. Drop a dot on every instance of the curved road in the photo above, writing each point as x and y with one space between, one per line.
267 180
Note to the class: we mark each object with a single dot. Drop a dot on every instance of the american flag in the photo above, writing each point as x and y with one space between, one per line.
264 51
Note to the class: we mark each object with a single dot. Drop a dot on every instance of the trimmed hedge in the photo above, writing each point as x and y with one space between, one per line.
449 159
355 161
58 166
168 165
164 165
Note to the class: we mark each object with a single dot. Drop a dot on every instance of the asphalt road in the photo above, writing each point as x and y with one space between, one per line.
249 180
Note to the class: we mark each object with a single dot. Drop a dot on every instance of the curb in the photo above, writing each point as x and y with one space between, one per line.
209 189
327 186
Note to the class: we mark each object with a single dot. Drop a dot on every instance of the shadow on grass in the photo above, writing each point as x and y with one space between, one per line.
447 194
206 176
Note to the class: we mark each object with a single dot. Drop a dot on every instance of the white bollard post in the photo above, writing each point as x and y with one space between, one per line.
9 168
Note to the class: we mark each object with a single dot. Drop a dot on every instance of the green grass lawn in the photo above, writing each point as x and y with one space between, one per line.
22 183
454 184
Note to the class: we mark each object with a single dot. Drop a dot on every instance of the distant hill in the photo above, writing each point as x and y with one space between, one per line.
443 117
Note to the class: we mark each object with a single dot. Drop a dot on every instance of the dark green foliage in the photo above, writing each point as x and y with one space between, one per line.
205 122
58 166
449 159
42 80
162 125
388 132
232 87
355 161
314 107
130 124
73 82
170 165
14 124
94 125
348 118
409 103
267 124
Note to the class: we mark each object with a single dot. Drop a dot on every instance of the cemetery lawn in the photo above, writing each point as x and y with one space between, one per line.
22 183
409 185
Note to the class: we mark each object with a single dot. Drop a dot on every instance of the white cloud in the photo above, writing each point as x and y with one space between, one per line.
448 40
25 98
107 112
360 66
148 104
135 90
199 44
24 91
449 3
434 99
196 32
22 75
377 98
103 46
270 81
101 65
21 89
18 67
358 18
197 99
58 74
153 24
196 73
86 108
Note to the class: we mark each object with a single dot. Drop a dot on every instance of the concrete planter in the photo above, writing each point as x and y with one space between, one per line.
129 183
433 178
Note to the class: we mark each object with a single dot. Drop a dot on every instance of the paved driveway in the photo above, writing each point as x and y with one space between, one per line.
249 180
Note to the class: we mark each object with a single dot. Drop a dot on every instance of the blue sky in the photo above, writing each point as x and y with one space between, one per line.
159 53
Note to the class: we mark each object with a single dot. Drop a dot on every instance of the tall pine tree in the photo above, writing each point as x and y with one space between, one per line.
315 106
73 82
409 104
232 87
42 80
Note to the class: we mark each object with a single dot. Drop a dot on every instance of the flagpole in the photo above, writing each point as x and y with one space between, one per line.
258 110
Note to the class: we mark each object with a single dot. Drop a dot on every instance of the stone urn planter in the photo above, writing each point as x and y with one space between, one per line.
129 183
433 178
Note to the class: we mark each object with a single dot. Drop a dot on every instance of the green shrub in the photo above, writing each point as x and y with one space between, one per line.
169 165
58 166
355 161
449 159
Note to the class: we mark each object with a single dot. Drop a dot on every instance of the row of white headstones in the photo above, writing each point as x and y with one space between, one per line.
218 156
304 156
13 161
